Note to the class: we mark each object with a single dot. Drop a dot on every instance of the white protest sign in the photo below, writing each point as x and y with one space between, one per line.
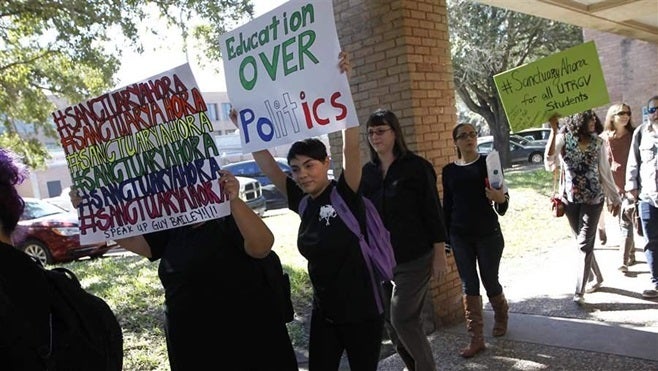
143 158
283 78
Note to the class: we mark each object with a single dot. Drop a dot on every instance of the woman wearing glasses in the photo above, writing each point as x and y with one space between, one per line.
617 135
471 212
403 187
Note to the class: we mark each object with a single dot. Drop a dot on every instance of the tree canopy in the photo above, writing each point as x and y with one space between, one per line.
486 41
69 49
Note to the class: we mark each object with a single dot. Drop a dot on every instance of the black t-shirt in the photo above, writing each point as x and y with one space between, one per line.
468 212
341 284
218 303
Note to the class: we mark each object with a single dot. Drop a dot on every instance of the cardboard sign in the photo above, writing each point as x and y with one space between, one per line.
143 158
565 83
282 76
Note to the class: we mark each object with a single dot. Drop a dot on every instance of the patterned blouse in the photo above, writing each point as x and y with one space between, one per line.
587 177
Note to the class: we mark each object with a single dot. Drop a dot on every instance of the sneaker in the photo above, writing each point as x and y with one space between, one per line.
623 269
578 299
651 293
594 287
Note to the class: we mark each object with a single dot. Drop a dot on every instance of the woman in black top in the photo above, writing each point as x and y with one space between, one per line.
218 305
345 316
403 187
474 233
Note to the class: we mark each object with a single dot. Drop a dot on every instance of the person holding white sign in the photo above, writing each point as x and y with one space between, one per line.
403 187
345 317
218 304
587 184
472 208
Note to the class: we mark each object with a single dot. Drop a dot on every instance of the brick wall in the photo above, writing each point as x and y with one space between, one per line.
400 53
630 68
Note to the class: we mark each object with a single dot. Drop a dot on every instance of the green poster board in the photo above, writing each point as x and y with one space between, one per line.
567 82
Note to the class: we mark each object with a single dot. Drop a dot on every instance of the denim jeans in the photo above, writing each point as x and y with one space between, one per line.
649 217
483 252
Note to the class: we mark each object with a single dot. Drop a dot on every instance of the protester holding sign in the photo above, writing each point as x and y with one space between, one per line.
403 187
218 305
345 315
642 185
587 182
472 208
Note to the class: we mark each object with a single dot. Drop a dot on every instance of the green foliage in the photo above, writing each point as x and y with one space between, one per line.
485 41
71 49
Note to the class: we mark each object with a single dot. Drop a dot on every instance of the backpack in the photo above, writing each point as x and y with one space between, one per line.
279 282
375 245
79 331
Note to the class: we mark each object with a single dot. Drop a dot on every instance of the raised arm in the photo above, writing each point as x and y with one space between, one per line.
351 151
550 155
258 238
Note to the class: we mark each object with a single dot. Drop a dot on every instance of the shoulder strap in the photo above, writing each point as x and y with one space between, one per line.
302 205
346 215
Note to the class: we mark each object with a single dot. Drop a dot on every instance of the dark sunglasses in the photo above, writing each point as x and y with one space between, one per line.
623 113
652 109
471 134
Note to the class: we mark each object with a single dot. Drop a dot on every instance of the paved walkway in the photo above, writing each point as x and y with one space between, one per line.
615 329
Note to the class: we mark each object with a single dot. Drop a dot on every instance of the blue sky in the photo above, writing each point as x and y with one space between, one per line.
136 67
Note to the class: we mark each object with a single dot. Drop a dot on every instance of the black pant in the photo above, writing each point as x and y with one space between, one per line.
361 341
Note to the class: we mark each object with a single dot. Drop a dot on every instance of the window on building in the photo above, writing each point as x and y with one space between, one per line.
226 110
54 188
212 111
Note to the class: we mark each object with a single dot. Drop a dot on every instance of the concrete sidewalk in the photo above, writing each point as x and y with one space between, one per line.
615 329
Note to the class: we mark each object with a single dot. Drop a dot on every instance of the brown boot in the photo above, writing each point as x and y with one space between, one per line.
473 314
500 307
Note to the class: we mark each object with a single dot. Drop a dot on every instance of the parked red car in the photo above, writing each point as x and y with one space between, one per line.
51 234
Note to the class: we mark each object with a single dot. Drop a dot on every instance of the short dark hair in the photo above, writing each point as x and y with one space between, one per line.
12 172
383 117
311 147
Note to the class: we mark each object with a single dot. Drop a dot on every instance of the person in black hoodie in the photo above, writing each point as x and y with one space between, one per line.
402 185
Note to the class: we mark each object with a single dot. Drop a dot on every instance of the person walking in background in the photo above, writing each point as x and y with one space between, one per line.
471 209
642 185
587 182
216 294
345 317
603 235
617 135
402 185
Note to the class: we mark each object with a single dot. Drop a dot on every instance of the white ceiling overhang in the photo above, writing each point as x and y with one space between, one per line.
637 19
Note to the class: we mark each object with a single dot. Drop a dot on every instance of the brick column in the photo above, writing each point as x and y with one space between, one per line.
400 54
